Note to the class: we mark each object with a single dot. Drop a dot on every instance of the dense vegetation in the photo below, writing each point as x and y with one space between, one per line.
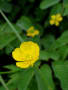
50 72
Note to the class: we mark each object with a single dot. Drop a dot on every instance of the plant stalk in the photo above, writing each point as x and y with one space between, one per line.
10 24
3 83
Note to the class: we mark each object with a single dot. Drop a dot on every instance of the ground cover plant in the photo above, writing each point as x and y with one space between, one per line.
33 44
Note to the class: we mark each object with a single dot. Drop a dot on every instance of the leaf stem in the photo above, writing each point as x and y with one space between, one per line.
3 83
13 28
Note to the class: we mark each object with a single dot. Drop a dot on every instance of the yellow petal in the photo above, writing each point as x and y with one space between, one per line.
36 32
16 54
53 17
30 29
52 22
30 34
23 64
59 17
30 50
57 23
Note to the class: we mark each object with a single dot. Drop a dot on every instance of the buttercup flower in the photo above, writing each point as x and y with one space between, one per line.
32 32
56 19
26 55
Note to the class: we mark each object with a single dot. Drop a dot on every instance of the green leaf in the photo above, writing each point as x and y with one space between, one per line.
61 72
63 52
47 41
56 9
65 4
5 6
61 41
33 84
24 23
48 3
2 88
7 35
44 78
21 79
12 67
46 55
10 47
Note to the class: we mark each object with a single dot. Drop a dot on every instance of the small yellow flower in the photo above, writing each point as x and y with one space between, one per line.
53 17
32 32
56 19
52 22
26 55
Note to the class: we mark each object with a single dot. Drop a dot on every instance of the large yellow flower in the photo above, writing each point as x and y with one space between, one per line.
56 19
26 55
32 32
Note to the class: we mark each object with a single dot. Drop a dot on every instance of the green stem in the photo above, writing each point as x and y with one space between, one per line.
13 28
3 83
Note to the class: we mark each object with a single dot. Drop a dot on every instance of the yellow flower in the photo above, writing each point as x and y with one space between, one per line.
52 22
32 32
59 17
56 19
26 55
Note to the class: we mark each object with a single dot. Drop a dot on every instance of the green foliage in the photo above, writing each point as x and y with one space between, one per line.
16 17
46 55
57 9
61 72
62 41
5 6
21 77
24 23
7 35
44 78
65 3
48 3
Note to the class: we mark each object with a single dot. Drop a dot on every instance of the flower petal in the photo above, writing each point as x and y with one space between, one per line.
23 64
30 29
16 54
59 17
57 23
52 22
53 17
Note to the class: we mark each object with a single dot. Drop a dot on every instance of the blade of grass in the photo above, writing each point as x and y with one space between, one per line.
3 83
10 24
